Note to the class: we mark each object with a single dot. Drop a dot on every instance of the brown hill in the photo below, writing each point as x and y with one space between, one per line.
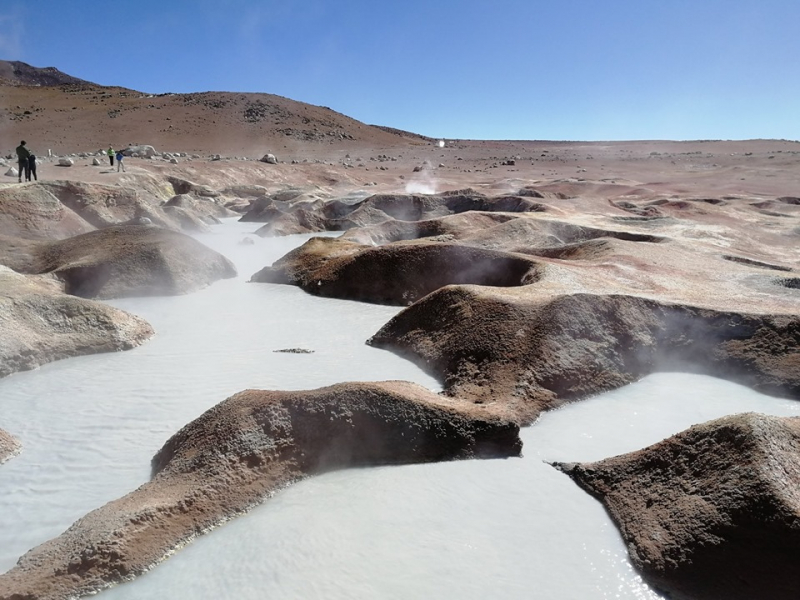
15 72
66 114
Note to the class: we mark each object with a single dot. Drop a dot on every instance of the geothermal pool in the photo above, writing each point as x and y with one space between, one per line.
508 528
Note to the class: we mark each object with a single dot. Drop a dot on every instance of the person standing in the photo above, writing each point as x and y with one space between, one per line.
31 168
22 160
110 153
120 156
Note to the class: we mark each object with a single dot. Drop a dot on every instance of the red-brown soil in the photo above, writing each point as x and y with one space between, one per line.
712 512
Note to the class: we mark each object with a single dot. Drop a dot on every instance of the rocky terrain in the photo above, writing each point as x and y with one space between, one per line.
39 323
712 512
533 274
9 446
122 260
236 454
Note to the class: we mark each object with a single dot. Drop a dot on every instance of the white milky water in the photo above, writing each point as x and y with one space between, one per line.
513 528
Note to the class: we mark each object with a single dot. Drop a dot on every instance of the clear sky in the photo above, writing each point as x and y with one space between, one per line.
494 69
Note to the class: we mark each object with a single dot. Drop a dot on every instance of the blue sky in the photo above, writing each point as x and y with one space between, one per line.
500 69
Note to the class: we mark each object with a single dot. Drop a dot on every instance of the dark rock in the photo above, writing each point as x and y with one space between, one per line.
712 512
395 273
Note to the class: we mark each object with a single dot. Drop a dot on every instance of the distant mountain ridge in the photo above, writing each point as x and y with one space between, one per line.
16 72
66 114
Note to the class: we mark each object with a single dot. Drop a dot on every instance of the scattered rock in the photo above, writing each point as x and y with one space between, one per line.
140 151
65 162
295 351
269 158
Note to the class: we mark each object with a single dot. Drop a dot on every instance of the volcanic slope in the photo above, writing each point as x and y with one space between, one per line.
65 114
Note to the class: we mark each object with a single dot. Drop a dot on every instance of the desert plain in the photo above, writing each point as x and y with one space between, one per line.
532 274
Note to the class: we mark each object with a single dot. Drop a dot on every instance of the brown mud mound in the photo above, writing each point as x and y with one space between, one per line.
451 227
147 197
590 250
512 232
235 455
9 446
396 273
265 209
527 352
526 233
381 208
418 207
124 260
59 209
40 324
712 512
31 211
299 220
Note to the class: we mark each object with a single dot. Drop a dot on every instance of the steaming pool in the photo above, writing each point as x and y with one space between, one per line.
511 528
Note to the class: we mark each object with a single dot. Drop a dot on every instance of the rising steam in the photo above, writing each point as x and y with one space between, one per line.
423 183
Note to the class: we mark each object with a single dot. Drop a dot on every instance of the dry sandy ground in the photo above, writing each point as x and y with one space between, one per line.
758 169
83 117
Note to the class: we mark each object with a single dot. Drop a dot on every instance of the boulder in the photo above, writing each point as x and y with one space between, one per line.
39 323
270 159
12 172
9 445
712 512
96 162
140 151
65 162
129 260
237 454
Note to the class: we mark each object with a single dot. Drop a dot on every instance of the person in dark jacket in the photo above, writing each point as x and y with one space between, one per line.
31 168
22 160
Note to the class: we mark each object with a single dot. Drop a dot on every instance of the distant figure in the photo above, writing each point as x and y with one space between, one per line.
31 168
22 160
120 156
110 153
